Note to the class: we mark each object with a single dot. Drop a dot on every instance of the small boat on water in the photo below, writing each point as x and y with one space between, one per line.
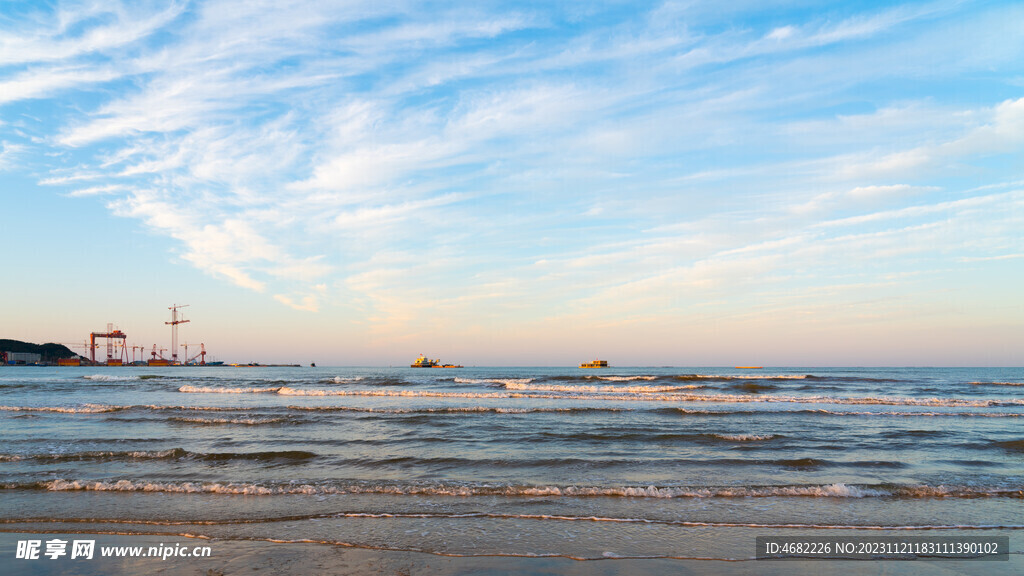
424 362
595 364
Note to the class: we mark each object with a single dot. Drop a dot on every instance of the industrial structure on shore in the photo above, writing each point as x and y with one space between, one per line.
117 349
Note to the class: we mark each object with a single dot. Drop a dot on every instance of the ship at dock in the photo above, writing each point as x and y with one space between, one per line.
595 364
424 362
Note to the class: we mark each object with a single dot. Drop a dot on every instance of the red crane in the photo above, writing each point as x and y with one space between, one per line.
202 352
111 335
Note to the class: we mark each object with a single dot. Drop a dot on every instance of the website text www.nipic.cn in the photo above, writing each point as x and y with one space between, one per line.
86 549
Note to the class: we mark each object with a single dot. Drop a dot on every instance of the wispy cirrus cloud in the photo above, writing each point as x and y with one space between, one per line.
80 29
515 162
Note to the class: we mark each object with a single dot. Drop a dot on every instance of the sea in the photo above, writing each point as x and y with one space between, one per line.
644 462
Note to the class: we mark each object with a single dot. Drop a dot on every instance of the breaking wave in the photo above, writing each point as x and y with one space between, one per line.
82 409
169 454
636 393
451 410
514 385
222 421
746 437
838 490
109 378
220 390
500 381
509 516
343 379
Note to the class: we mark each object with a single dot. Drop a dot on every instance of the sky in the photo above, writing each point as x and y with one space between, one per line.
518 183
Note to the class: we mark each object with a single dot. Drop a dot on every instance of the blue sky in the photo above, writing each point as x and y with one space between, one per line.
670 183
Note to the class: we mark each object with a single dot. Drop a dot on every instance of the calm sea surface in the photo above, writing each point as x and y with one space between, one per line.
618 462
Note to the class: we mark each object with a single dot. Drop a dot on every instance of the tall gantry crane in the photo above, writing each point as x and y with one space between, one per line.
111 335
175 320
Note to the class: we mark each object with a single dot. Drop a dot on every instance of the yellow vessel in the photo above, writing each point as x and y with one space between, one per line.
424 362
595 364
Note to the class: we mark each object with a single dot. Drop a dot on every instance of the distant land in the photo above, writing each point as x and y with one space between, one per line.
48 352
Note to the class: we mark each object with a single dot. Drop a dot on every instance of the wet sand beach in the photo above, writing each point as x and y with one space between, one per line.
232 558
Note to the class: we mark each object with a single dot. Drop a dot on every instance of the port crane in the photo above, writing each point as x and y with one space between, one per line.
141 349
111 336
175 320
201 354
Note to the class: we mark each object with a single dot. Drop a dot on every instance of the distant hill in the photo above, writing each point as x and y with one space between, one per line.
49 352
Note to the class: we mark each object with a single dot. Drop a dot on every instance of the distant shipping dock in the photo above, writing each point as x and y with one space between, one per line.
117 349
595 364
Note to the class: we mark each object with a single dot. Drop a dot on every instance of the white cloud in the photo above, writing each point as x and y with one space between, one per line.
45 82
54 40
306 304
781 33
8 154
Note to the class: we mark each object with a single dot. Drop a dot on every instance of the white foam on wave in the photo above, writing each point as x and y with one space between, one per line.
96 455
346 380
219 390
82 409
576 388
882 400
287 391
555 517
866 413
109 378
202 408
837 490
745 437
216 421
743 377
504 381
448 409
998 383
628 393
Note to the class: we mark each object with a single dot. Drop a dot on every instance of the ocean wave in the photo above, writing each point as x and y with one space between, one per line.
500 381
1011 445
161 407
837 490
677 377
730 377
81 409
169 454
746 437
998 383
98 456
881 400
753 387
630 393
222 421
824 412
508 516
109 378
188 388
513 385
343 379
450 410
